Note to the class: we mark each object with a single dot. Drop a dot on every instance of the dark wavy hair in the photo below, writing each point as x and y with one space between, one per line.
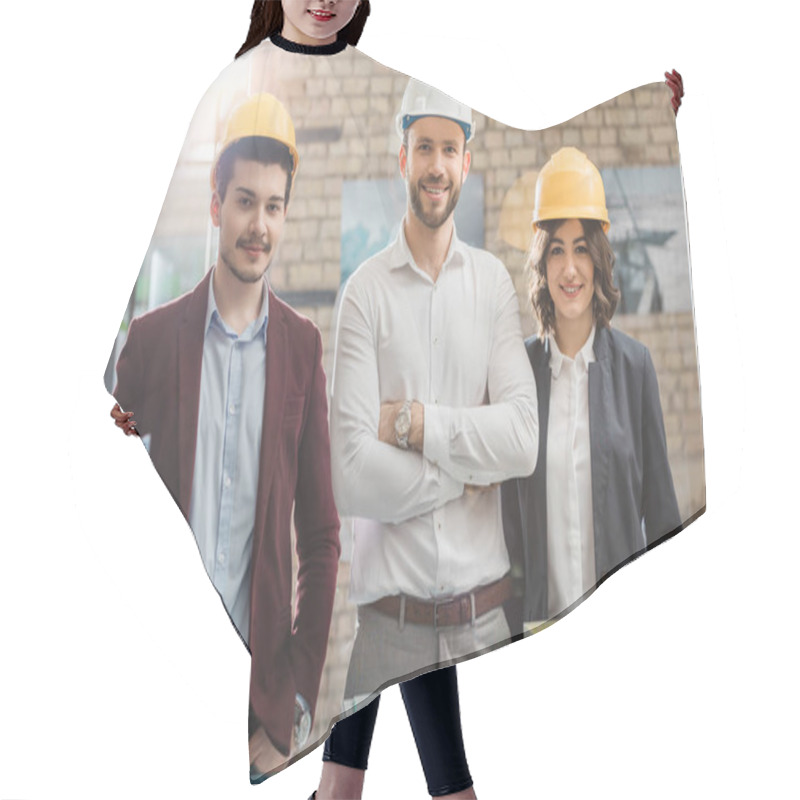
266 19
606 295
254 148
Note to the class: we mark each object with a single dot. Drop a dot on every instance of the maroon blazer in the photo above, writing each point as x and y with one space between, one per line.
158 378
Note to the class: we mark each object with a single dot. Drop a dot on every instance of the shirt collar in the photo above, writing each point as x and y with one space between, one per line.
309 49
400 253
583 358
259 327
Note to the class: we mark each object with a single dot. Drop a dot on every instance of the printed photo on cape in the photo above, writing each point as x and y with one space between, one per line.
314 531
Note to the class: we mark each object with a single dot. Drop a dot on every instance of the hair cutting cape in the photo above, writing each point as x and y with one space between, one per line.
321 522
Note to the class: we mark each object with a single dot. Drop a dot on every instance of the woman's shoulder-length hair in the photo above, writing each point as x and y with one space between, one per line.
606 295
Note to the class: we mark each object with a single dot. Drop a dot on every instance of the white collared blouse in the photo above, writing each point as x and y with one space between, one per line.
570 529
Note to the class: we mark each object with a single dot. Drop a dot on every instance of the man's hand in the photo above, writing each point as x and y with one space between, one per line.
416 435
389 412
675 83
124 420
263 755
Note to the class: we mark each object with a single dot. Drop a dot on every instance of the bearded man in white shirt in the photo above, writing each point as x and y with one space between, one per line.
433 404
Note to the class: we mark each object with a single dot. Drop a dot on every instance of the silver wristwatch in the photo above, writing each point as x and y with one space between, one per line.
402 425
302 721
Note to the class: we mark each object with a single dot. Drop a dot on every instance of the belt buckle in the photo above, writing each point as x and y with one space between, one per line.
464 602
436 604
466 609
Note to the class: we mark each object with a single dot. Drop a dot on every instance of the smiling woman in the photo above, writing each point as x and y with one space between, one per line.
602 491
306 22
570 274
316 21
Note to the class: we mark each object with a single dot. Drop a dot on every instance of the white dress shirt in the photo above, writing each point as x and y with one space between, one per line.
454 345
570 529
222 510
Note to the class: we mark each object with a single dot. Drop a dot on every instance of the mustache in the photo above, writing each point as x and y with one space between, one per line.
435 184
252 244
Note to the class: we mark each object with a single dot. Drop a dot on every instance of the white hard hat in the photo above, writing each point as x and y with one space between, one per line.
421 100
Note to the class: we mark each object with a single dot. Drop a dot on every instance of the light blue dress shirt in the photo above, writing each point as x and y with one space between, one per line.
226 465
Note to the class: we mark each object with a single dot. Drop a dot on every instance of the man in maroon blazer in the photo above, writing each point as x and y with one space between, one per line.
227 381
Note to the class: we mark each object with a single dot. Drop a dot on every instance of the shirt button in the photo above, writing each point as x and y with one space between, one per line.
436 340
227 480
221 558
231 409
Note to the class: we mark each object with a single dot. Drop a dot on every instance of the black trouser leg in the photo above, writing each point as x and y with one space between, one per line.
434 713
432 706
351 738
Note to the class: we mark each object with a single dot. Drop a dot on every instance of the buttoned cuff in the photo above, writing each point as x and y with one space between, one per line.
436 449
449 487
436 437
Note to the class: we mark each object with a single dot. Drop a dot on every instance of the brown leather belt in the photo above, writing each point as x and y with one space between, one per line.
462 609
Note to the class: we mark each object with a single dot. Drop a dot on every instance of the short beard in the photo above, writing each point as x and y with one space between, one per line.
432 221
238 274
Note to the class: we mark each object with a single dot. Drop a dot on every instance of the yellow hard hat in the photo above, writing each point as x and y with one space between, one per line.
260 115
570 187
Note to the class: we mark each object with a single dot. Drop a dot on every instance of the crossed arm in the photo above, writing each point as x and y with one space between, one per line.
486 444
450 448
372 477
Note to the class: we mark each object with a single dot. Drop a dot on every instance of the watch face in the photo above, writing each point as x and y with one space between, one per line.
302 728
403 424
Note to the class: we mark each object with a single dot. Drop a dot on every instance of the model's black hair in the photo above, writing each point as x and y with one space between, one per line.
254 148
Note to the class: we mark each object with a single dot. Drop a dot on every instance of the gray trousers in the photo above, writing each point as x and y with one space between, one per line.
386 651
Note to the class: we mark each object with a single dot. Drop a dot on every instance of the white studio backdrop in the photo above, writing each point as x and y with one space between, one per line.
119 674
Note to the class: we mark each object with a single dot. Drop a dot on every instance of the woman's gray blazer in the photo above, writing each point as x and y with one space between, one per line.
633 497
